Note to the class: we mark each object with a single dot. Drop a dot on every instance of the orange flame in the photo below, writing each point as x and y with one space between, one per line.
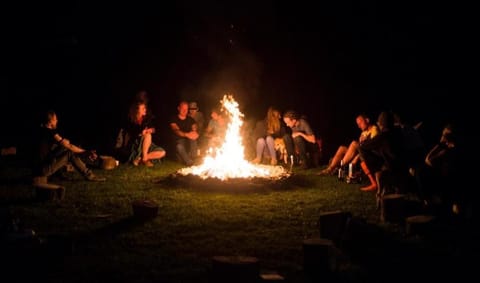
228 161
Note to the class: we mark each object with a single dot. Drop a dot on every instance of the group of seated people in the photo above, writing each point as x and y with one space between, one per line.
135 143
392 154
346 155
288 137
386 151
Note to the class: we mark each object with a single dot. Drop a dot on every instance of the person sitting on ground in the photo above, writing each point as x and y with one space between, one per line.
442 173
384 154
184 129
302 136
216 129
414 145
140 129
348 155
54 152
197 115
265 133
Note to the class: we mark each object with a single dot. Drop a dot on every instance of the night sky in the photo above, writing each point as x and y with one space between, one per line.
329 61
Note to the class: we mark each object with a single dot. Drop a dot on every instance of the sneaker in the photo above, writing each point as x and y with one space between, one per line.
256 161
273 162
93 178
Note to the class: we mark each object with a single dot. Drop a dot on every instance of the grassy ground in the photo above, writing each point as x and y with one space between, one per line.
92 236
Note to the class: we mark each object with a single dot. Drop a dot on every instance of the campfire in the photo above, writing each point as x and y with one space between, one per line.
227 162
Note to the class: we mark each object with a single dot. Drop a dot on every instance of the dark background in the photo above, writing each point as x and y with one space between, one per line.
329 61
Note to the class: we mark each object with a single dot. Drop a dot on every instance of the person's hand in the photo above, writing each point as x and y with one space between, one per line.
363 137
148 131
296 134
192 135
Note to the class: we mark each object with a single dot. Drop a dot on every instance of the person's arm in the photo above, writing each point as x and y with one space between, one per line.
148 127
308 137
66 143
193 134
176 130
305 131
435 154
148 131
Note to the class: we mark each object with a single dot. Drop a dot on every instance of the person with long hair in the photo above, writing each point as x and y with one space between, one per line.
140 129
265 133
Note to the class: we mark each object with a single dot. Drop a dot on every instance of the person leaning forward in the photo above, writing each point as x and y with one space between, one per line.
54 152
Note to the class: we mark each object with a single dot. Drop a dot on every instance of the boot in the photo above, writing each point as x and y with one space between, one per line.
93 178
373 182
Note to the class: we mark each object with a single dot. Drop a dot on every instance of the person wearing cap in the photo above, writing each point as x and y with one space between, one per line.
140 129
197 115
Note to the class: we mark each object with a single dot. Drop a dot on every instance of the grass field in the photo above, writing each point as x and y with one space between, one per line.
92 236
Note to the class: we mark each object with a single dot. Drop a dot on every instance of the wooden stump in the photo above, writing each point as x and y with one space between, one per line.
392 208
332 224
317 257
420 225
271 277
235 269
49 192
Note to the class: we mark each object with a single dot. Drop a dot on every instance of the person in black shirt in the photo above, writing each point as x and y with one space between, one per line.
185 133
140 129
55 151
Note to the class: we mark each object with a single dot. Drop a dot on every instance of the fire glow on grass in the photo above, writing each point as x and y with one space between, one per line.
228 161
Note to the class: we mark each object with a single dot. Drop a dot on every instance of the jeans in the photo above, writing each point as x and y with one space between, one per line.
60 159
186 150
266 142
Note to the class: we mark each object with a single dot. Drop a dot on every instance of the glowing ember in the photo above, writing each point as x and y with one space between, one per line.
228 161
